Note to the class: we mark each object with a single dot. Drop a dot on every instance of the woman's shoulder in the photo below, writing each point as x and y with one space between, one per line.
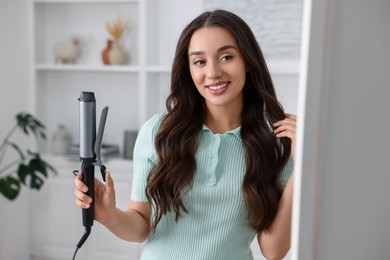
152 124
146 136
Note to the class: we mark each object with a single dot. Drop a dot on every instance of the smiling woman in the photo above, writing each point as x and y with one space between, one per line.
30 82
214 170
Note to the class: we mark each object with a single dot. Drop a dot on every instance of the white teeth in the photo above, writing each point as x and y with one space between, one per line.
217 87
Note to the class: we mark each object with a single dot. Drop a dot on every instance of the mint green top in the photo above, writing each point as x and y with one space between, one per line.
216 225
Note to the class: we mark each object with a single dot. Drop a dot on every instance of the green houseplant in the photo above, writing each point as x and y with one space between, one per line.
28 169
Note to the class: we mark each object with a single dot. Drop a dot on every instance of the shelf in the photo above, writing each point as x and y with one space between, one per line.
86 68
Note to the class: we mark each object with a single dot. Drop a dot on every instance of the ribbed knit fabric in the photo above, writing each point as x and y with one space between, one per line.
215 227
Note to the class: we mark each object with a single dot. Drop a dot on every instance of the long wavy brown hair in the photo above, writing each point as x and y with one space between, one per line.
177 138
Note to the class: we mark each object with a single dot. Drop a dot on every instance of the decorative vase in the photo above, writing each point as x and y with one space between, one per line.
105 52
116 55
61 140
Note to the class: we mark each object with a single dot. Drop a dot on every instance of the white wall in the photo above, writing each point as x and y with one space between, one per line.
14 98
344 210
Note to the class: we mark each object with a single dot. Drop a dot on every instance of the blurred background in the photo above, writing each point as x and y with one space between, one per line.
122 51
336 64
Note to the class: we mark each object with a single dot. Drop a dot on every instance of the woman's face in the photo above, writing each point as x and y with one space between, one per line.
217 67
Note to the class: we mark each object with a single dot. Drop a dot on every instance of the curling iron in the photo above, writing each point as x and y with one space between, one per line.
90 145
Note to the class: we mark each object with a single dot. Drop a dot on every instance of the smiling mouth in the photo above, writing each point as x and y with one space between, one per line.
217 87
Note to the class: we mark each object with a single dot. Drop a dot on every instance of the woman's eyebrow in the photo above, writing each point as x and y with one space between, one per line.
223 48
194 53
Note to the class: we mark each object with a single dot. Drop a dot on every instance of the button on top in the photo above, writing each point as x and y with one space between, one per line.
213 146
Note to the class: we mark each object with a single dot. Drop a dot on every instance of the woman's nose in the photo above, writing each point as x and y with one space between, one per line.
214 70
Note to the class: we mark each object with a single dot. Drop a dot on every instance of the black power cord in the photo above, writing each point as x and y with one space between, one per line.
87 231
82 240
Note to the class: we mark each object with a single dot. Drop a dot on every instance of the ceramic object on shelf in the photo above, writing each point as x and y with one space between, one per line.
106 51
116 29
61 141
117 55
67 51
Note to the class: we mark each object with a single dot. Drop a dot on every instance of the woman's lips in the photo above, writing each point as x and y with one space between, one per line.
217 89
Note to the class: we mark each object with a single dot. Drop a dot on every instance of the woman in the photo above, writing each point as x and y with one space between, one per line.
213 171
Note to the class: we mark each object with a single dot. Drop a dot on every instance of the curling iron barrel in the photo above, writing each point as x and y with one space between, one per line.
87 153
87 124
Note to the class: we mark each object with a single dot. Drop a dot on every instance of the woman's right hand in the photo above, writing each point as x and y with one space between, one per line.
104 200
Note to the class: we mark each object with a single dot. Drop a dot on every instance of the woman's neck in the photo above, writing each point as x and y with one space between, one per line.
222 119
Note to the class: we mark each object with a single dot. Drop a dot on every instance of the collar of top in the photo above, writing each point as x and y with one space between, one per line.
235 132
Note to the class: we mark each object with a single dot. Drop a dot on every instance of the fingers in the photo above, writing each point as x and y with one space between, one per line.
288 134
286 127
291 116
78 181
82 200
290 119
109 183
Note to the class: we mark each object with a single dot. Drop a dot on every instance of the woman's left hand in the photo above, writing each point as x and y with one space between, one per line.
287 128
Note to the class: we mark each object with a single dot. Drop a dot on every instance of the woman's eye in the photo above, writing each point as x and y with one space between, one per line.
199 62
226 58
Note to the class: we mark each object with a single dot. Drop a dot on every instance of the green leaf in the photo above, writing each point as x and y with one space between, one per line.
35 171
38 157
9 187
29 123
37 165
23 172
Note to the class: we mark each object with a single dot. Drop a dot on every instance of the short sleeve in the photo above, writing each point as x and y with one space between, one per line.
144 157
286 173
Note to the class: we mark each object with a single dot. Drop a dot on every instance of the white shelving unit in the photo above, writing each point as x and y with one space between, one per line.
133 91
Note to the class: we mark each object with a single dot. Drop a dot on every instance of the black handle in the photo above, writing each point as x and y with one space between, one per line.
88 170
